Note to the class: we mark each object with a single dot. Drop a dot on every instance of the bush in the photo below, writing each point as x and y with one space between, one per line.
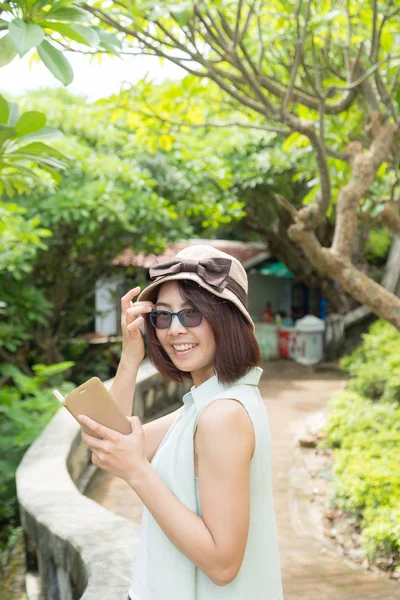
363 427
375 364
26 406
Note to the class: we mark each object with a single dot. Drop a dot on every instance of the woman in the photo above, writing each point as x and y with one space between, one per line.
203 473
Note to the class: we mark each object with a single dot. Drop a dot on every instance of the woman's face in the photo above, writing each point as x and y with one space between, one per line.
191 349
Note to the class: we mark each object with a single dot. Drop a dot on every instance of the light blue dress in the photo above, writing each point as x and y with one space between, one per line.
161 571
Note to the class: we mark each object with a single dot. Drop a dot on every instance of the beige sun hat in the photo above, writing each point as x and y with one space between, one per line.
218 272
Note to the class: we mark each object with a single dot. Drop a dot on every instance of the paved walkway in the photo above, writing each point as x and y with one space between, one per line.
309 572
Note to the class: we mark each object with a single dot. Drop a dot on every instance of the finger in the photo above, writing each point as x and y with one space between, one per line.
97 460
137 306
135 324
93 442
101 430
126 300
137 310
136 424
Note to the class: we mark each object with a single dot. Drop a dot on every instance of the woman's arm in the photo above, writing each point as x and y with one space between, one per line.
215 543
123 386
225 442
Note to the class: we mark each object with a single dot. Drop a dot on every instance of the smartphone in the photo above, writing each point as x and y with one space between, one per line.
94 400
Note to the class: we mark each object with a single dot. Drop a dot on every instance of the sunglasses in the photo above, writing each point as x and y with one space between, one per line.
188 317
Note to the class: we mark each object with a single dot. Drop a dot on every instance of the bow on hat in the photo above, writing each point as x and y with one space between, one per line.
214 271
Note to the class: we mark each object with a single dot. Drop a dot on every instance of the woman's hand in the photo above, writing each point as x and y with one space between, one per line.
122 455
131 319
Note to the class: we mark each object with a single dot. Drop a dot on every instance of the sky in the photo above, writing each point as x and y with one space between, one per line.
90 79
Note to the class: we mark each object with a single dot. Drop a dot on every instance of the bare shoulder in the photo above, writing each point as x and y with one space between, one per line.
221 411
226 418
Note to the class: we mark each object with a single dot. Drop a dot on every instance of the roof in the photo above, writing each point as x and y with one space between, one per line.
248 253
276 269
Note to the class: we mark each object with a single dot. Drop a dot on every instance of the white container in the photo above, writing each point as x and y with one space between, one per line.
310 340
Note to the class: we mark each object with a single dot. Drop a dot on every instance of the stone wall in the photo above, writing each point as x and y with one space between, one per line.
80 549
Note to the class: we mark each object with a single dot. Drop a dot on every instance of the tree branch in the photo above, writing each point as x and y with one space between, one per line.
364 168
243 31
299 51
389 218
374 42
233 58
361 287
152 115
377 41
385 95
237 25
313 214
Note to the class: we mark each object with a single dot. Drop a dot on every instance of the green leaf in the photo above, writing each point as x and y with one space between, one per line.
182 15
5 7
25 35
45 132
38 149
56 62
77 33
50 370
40 4
30 122
14 113
7 50
6 133
68 14
4 110
107 39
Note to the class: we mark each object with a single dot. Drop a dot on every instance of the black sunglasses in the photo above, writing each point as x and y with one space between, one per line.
188 317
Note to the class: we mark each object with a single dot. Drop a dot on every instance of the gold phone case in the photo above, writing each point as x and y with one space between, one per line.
94 400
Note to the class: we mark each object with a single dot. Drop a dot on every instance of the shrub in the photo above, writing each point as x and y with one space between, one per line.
363 427
26 406
375 364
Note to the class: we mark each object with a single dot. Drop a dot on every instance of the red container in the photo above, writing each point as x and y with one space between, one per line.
288 342
284 342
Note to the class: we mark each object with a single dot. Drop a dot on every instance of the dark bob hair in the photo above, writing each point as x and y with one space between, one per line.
237 348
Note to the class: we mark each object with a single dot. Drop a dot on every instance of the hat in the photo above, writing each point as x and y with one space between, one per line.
215 271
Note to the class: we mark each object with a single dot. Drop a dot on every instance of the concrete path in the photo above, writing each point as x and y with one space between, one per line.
309 572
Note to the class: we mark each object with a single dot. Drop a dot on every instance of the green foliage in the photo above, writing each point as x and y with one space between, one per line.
247 53
377 246
33 24
382 530
375 364
24 158
20 240
26 406
23 305
108 201
208 172
364 429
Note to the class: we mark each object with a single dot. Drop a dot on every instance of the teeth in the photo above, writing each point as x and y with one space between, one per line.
184 347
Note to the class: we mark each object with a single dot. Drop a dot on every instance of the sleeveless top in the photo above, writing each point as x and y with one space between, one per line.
161 571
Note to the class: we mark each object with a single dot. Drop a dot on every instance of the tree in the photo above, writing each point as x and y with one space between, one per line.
105 203
323 72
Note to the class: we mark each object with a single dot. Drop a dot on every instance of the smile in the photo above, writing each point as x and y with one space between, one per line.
184 349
